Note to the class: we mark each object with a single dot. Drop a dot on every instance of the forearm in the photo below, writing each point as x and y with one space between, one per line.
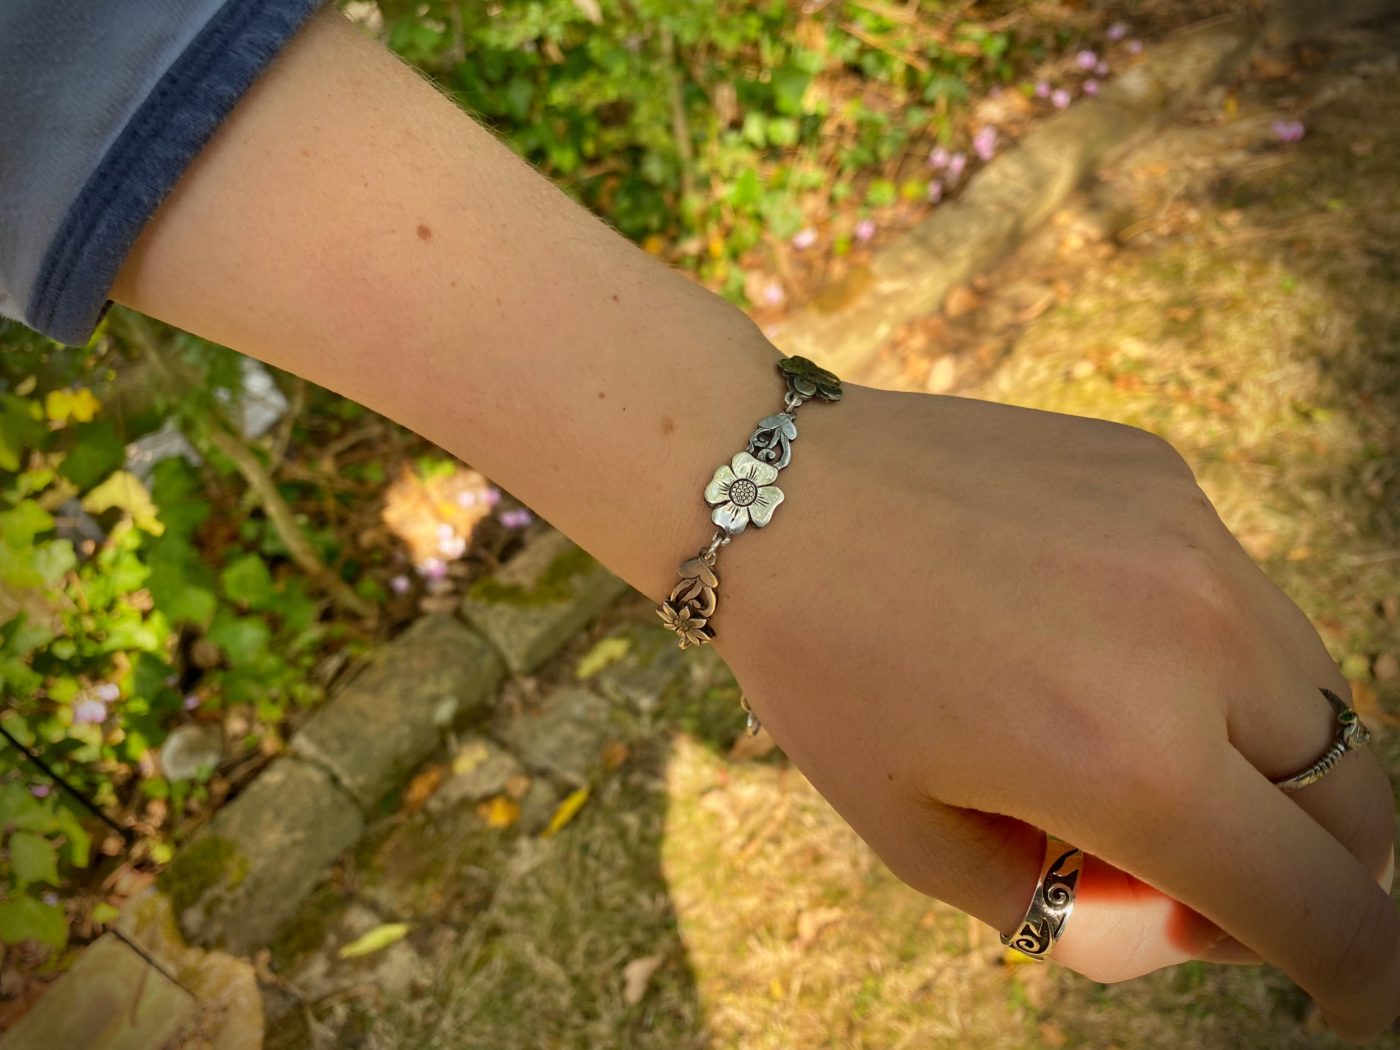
350 225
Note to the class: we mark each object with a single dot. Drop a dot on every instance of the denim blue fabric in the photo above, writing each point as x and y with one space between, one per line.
102 108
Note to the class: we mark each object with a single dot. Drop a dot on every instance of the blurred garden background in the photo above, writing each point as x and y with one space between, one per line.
195 550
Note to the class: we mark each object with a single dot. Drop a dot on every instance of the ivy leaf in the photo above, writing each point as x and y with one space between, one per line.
33 859
247 580
19 526
242 638
96 452
26 919
124 491
376 940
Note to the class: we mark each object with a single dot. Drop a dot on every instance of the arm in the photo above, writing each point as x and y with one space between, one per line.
350 225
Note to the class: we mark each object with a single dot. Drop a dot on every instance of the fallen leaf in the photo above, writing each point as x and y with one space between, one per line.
499 812
566 811
1367 705
469 757
775 988
614 754
811 922
605 651
635 976
421 788
376 940
960 301
517 785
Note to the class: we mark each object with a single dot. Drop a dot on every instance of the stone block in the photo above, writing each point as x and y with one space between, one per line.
479 769
540 599
652 663
244 875
566 735
110 999
390 718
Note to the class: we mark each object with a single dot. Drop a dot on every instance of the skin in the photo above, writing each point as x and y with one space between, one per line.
966 623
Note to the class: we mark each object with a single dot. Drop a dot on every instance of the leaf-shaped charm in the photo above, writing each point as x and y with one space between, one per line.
696 569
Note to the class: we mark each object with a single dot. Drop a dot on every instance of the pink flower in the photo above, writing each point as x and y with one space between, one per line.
1101 69
1091 87
984 143
400 584
1288 130
938 158
432 569
1060 98
865 230
450 545
40 790
516 519
956 164
89 712
773 293
1134 47
1042 90
493 496
107 692
1086 59
935 191
1117 31
192 702
805 239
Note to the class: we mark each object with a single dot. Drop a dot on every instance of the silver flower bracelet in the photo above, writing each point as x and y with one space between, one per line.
742 493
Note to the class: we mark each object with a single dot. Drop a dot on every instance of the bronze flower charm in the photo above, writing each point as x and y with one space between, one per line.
691 629
809 379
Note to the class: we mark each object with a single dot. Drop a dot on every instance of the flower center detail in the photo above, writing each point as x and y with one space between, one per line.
742 492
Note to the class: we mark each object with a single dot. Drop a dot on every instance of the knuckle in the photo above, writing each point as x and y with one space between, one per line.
1202 590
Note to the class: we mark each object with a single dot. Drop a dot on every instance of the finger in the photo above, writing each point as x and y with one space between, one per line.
1243 854
1354 802
988 865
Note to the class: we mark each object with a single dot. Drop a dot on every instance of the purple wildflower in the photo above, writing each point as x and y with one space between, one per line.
956 164
89 712
805 239
400 584
1101 70
1086 59
938 158
865 229
984 143
107 692
1288 130
432 569
493 496
192 702
40 790
773 293
1091 87
516 519
1060 98
1042 89
1117 31
935 191
1134 47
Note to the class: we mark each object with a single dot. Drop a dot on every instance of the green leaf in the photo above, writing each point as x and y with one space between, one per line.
606 651
33 859
789 87
27 919
247 580
96 452
19 526
243 638
376 940
104 914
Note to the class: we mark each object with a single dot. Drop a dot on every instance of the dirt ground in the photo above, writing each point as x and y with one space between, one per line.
1235 293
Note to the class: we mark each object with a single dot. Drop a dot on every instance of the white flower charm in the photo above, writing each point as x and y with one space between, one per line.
741 492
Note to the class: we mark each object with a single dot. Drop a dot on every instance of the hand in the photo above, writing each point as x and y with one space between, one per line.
970 621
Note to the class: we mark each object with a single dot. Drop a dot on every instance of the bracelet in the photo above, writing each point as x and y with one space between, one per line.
742 493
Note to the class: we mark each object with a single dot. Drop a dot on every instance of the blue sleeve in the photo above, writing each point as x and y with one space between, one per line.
102 107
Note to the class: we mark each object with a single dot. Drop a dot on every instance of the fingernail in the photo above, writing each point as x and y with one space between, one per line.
1231 952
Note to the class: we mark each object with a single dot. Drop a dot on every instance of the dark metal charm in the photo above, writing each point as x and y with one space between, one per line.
809 379
773 438
688 609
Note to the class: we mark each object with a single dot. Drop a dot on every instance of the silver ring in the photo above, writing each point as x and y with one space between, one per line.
1051 903
1351 733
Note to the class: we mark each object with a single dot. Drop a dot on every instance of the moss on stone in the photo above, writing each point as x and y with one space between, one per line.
203 864
553 585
